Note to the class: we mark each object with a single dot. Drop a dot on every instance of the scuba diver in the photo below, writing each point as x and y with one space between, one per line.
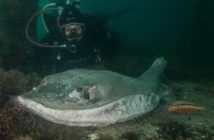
73 40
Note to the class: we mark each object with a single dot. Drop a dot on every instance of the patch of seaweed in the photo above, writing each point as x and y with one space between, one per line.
14 82
173 131
14 120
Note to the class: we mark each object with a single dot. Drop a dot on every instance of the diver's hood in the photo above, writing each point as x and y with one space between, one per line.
69 15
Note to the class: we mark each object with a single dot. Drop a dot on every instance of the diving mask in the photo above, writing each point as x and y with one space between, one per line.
73 32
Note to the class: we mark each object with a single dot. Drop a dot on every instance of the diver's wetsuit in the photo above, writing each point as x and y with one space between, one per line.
98 45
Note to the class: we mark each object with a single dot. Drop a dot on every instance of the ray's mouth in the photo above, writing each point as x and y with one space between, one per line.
84 94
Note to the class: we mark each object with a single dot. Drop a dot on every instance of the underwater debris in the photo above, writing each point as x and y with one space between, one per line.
25 117
14 120
202 132
5 130
173 131
27 137
4 127
150 132
93 136
129 136
184 107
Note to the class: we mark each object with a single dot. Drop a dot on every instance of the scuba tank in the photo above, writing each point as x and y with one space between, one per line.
40 29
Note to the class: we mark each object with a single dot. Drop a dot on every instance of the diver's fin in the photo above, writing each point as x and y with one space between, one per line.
151 77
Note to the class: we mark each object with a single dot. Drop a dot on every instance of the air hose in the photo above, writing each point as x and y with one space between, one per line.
42 15
40 12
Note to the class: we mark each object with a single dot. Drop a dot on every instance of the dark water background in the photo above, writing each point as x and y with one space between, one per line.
182 31
184 26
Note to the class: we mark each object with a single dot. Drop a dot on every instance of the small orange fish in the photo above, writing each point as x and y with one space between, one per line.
185 107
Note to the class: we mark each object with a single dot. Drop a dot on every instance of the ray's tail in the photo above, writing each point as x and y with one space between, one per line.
151 77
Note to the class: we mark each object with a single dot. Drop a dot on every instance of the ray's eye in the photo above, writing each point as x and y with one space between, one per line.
79 89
